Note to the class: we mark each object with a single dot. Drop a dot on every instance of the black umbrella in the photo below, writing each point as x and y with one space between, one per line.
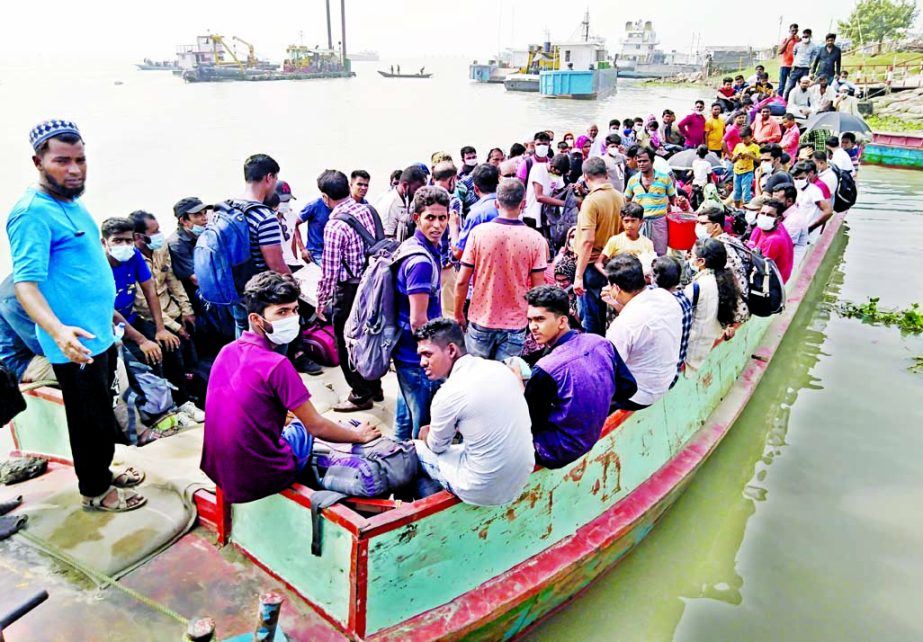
683 159
838 122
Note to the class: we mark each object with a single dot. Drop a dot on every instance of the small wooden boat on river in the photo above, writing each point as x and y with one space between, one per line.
386 74
438 569
894 150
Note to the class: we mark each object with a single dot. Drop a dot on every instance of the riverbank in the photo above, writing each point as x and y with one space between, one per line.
898 112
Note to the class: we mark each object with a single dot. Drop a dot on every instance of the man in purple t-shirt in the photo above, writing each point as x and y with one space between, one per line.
249 451
418 301
692 127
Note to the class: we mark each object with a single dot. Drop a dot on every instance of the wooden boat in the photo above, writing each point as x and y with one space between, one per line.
385 74
438 569
894 150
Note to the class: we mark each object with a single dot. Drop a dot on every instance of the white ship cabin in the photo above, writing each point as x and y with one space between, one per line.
581 55
203 52
640 42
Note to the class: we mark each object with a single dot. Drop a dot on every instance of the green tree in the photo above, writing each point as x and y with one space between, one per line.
877 20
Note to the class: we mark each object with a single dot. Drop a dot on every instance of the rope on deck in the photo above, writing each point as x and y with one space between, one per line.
101 579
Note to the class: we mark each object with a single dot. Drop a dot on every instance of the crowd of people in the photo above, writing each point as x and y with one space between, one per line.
534 292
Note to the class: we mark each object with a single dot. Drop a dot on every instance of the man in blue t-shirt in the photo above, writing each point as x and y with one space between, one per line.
315 214
417 286
63 281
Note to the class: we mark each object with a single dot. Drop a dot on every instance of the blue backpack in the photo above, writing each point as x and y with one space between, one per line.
222 254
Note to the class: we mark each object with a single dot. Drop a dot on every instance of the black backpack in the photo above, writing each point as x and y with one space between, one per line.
767 290
846 191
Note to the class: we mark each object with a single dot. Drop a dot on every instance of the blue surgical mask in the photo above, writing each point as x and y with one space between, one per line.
156 241
198 229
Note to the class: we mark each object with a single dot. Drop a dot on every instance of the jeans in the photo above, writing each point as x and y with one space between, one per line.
429 462
241 325
796 75
743 187
300 441
591 306
91 426
417 391
362 390
783 78
492 343
402 425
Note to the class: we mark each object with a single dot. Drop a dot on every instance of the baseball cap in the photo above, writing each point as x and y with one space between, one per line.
284 191
189 205
756 203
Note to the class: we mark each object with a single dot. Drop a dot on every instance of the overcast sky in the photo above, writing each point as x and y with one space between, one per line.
68 30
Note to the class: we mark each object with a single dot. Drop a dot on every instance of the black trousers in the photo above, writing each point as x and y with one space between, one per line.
91 423
362 389
176 363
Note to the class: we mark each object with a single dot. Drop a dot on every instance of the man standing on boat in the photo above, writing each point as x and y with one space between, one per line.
65 285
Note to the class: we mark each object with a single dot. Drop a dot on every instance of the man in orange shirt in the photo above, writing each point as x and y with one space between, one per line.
787 57
765 128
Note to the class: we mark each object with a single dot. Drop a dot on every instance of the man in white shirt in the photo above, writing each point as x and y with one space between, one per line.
795 219
395 206
648 331
543 179
822 96
292 243
838 156
483 401
825 173
801 98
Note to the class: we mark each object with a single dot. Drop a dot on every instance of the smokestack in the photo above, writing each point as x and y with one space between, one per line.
329 32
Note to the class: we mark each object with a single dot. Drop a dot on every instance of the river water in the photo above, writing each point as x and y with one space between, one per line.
805 524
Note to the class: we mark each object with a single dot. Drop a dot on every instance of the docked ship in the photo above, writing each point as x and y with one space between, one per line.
212 58
157 65
494 71
640 56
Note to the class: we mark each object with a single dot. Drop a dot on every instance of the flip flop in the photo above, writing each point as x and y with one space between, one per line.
6 507
128 478
123 505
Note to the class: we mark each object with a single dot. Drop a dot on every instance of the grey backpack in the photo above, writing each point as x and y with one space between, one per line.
372 329
375 469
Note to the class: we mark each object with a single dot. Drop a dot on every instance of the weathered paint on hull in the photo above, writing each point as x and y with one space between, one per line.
891 156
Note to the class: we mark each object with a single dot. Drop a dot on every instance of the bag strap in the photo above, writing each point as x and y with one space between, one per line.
131 399
695 294
417 250
358 228
320 500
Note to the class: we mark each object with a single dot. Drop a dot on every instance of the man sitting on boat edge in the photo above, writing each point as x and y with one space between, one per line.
481 400
248 450
573 384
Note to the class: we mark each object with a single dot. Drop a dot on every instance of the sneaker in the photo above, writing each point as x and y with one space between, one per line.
194 413
307 366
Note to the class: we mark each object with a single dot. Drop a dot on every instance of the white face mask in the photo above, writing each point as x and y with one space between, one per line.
541 151
156 241
801 183
639 128
766 167
284 330
122 253
693 265
613 151
701 231
285 208
750 217
765 222
472 162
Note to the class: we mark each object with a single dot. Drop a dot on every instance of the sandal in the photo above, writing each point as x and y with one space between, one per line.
128 500
128 478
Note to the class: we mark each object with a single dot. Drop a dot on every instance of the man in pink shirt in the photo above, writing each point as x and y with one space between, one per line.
692 127
765 128
791 136
506 259
771 238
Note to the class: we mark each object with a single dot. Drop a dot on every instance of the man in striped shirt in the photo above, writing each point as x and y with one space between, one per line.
261 173
342 265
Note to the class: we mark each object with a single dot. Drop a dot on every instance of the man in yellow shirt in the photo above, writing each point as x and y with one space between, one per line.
744 156
714 130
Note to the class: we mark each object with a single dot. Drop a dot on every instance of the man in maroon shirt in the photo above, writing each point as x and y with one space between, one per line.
692 127
248 449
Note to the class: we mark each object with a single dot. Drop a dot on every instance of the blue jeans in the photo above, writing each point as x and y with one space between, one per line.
241 325
743 187
300 441
402 424
417 391
591 306
783 78
491 343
